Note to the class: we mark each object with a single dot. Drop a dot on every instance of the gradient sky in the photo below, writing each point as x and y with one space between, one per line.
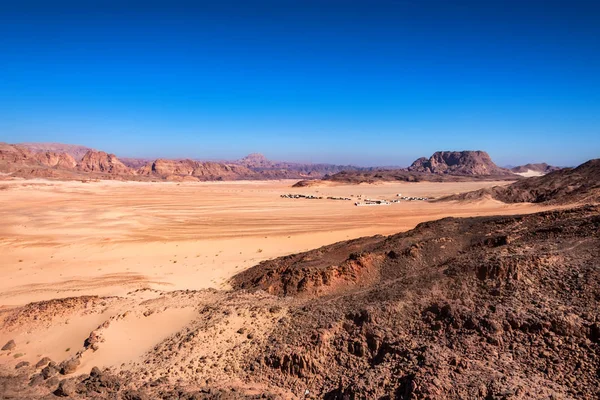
368 83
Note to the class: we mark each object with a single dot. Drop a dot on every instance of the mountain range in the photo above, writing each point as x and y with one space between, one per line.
63 161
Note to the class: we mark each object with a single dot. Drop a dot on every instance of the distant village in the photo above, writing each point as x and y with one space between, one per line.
360 202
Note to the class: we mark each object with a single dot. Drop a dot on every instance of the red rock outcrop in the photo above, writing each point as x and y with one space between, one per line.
52 159
99 161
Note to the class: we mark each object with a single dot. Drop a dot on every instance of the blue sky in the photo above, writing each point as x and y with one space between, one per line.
368 83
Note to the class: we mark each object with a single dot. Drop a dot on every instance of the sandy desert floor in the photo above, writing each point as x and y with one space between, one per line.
140 241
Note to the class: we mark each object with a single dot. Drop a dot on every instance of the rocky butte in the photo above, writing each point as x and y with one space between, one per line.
458 163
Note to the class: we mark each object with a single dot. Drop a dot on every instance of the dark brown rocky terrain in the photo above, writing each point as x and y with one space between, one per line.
564 186
483 308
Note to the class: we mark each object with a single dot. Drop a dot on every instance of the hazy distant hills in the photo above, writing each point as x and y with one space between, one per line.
64 161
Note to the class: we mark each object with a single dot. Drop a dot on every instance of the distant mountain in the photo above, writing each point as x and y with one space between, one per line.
534 169
256 160
458 163
75 151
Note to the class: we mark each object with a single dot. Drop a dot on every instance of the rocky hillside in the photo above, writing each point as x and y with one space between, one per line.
456 308
475 308
458 163
16 159
564 186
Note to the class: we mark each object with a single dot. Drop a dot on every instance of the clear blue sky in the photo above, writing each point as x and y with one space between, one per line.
369 83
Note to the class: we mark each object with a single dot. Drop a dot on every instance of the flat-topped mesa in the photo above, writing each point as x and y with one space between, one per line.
459 163
99 161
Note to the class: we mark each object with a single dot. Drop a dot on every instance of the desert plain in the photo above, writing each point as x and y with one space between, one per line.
140 240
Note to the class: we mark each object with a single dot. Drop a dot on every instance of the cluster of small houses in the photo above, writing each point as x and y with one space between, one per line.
411 198
361 202
310 196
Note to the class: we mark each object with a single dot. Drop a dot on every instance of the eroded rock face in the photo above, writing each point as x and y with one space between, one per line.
60 160
458 163
99 161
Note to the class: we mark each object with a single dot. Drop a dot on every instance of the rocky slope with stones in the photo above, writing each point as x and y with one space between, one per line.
488 307
564 186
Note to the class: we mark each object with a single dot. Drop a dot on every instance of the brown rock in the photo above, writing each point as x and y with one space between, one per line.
22 364
66 388
43 362
10 345
69 366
